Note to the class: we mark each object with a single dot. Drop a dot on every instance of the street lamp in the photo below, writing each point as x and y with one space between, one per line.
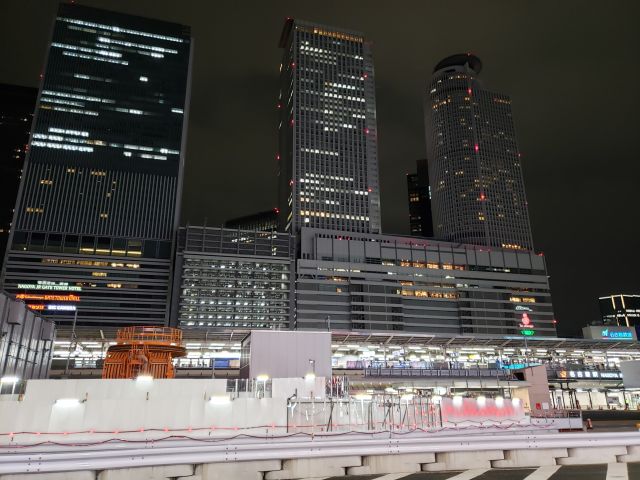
312 374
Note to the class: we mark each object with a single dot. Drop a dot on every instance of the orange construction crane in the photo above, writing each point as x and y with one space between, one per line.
144 351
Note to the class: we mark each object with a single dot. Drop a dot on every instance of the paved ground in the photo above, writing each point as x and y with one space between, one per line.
613 471
615 425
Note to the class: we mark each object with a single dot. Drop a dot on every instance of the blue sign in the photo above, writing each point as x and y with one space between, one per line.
617 334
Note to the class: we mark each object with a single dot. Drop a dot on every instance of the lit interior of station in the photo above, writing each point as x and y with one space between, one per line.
582 373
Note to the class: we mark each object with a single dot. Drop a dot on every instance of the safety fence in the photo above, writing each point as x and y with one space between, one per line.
448 373
363 412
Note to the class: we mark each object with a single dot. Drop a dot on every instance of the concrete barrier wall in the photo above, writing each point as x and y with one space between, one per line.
125 405
289 469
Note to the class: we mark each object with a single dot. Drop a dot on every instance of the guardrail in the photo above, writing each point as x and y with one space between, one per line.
120 454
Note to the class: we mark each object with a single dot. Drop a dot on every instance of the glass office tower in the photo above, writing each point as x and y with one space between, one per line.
475 171
16 114
328 155
98 203
420 222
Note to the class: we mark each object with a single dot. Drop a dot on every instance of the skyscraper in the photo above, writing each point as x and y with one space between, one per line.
420 221
16 113
98 204
477 188
328 155
266 221
622 310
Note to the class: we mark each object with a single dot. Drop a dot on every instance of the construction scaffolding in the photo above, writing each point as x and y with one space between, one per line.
144 351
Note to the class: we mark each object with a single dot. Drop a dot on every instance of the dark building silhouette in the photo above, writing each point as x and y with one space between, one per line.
261 221
622 310
16 114
420 221
98 204
475 172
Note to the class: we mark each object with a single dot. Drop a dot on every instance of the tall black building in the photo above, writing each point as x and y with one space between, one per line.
266 221
620 310
98 204
16 113
420 221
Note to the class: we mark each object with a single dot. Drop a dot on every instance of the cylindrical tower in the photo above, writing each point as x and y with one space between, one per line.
475 174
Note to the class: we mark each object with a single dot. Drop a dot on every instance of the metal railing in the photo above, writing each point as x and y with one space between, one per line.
243 449
371 413
252 388
448 373
149 334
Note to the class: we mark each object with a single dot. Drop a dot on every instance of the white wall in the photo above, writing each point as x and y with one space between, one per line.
281 354
132 405
630 373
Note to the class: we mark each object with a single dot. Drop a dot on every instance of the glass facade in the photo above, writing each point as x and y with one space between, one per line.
233 279
475 170
328 165
103 175
621 310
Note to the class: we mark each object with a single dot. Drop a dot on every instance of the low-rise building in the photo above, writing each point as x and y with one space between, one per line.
227 279
370 282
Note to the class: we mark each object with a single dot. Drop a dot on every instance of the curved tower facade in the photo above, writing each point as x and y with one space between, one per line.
475 172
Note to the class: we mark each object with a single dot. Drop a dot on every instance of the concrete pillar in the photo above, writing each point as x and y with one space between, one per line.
632 455
81 475
463 460
253 470
402 463
530 457
314 467
147 473
592 455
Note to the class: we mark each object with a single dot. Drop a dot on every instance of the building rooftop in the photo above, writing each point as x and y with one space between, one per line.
460 60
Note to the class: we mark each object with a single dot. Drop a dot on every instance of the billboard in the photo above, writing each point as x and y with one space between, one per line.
606 332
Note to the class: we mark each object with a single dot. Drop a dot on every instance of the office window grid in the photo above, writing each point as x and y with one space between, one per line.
329 128
102 177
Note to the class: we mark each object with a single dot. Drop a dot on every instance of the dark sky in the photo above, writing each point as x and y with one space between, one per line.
572 69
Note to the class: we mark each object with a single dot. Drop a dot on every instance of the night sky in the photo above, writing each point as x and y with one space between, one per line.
571 68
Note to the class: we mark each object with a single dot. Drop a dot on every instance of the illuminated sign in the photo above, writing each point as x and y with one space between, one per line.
51 298
523 308
590 374
54 307
46 285
62 308
526 326
618 334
